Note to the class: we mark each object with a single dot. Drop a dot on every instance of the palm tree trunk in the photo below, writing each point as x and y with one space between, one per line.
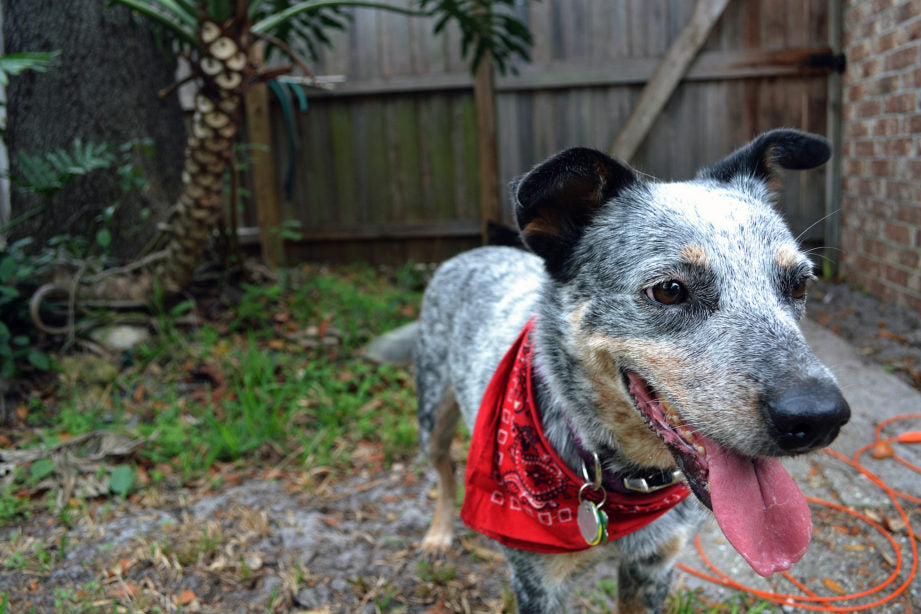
223 71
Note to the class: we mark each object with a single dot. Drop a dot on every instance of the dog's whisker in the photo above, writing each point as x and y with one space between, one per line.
817 222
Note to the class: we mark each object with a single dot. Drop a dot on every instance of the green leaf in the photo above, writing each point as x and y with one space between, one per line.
41 469
179 24
7 268
121 480
13 64
103 238
39 360
270 23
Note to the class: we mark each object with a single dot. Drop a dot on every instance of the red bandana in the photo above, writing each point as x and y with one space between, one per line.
518 491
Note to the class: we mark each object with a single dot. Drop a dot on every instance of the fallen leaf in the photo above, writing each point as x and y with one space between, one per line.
895 524
833 586
888 334
186 597
329 520
882 450
22 412
276 344
125 590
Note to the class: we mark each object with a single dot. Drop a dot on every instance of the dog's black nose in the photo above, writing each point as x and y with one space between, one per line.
807 415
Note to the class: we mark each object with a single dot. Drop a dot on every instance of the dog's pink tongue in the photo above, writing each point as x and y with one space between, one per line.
759 508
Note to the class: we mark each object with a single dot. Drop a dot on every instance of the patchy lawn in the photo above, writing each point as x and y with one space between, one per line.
247 459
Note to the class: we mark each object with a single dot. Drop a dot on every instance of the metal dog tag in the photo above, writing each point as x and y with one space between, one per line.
593 523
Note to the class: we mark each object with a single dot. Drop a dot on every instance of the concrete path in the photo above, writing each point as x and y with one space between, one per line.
846 553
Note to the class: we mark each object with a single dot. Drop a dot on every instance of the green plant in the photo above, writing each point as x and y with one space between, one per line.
48 173
13 64
18 278
12 507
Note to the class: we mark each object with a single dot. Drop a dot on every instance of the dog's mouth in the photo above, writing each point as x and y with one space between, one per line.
759 508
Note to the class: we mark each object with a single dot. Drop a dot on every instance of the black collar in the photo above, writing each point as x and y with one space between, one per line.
641 481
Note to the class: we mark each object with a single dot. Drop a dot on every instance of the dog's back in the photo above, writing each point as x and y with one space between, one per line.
473 309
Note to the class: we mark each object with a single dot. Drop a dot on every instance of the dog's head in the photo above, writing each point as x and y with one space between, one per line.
678 306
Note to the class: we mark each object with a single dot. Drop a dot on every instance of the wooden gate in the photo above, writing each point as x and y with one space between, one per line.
387 165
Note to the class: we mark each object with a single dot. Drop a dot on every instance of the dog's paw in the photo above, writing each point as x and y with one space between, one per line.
436 543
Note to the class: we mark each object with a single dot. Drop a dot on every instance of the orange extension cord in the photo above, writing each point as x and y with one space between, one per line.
808 599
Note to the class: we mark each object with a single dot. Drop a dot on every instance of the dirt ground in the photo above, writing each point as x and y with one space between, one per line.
310 541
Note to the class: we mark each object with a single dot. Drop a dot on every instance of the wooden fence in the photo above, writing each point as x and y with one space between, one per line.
386 168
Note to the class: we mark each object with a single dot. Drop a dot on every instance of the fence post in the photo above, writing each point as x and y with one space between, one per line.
265 181
484 95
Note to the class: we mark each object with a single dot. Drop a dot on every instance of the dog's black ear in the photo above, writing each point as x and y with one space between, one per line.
786 148
558 198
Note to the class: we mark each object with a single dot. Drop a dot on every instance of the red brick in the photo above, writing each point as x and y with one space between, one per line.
897 232
869 67
869 108
863 148
875 247
858 51
897 147
913 78
902 58
880 168
850 166
908 258
858 129
906 11
886 126
868 29
901 103
910 214
895 275
913 124
908 191
889 41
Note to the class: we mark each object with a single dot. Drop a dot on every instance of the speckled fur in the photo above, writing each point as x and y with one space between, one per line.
603 236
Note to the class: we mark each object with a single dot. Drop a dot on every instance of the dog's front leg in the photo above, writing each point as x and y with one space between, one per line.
642 584
542 582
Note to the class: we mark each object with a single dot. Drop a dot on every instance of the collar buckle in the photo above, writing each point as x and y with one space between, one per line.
643 485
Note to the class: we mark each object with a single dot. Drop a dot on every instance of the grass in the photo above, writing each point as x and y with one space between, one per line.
273 378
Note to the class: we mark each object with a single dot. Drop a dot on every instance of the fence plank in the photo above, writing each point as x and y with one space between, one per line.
673 66
396 144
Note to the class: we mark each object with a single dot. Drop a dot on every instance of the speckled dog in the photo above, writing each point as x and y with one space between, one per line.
664 335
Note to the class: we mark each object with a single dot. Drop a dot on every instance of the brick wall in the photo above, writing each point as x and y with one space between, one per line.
881 191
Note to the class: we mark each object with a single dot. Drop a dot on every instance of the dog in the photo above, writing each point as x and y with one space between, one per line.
644 346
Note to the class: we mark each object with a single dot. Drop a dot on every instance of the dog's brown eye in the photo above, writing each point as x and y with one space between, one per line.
798 289
669 292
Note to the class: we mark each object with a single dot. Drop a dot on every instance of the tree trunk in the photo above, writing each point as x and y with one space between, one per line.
104 89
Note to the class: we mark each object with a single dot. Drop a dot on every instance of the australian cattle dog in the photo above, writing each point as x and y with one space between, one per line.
645 347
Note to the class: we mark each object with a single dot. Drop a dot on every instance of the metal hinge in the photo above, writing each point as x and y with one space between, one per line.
833 61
